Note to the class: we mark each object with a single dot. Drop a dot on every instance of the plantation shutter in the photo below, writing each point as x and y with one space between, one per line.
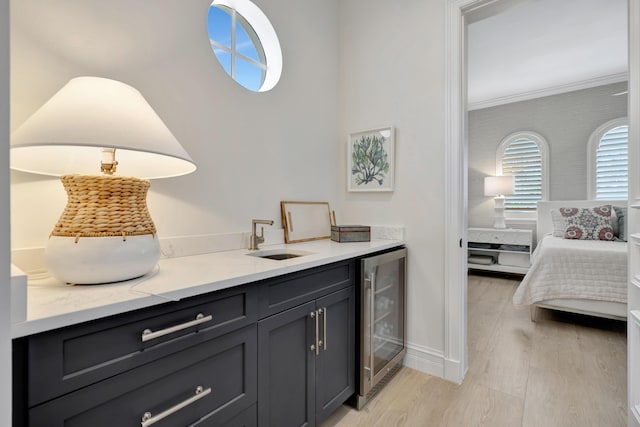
523 159
612 165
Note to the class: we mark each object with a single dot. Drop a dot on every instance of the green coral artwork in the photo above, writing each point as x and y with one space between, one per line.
370 162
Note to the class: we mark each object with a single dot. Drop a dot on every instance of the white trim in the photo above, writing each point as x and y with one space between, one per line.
425 360
267 35
5 227
549 91
455 140
633 224
592 149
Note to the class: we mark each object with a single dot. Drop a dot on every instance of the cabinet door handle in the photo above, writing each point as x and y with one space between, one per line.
317 334
324 327
148 419
315 347
148 334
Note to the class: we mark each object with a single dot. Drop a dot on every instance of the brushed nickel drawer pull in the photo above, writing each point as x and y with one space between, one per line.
148 334
315 347
150 419
324 327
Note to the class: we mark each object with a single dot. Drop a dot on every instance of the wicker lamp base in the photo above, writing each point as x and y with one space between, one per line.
105 233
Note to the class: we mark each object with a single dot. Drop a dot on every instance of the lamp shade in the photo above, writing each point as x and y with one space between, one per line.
67 133
499 185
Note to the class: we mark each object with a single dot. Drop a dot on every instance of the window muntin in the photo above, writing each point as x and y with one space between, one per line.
245 43
609 161
524 155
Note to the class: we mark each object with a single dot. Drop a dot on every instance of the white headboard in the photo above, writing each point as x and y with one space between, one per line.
545 225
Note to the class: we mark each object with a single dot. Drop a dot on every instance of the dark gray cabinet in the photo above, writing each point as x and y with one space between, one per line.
194 361
306 361
286 368
278 352
67 359
335 364
207 384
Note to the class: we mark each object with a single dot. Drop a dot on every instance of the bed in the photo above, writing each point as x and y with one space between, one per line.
579 276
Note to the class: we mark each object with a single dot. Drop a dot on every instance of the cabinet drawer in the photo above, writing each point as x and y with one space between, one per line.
225 368
247 418
511 237
61 361
288 291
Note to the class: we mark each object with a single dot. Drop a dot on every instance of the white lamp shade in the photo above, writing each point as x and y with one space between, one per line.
67 133
499 185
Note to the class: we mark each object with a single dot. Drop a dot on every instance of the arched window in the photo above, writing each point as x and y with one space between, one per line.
609 161
525 156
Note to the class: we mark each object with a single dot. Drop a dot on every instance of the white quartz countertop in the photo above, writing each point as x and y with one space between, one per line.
52 304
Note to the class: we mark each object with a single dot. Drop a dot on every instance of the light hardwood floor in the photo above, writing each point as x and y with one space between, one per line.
564 370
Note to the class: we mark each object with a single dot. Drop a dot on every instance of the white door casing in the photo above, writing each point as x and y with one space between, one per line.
455 346
633 113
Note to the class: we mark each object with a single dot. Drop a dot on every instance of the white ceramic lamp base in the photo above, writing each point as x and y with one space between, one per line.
94 260
498 215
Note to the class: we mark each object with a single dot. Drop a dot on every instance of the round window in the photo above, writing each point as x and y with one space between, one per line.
245 43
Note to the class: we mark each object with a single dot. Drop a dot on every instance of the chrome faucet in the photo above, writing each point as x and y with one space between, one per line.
255 240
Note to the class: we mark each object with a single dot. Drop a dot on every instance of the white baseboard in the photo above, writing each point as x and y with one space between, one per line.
453 371
425 360
434 363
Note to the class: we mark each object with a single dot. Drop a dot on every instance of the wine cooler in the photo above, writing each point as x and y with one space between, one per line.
382 320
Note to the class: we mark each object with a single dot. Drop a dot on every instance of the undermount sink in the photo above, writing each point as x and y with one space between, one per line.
278 254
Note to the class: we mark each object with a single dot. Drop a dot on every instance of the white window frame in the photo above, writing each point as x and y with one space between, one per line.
592 151
543 146
266 35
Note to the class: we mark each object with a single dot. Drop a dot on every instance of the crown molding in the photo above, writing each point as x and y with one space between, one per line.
554 90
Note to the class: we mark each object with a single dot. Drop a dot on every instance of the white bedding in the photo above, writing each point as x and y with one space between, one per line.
583 269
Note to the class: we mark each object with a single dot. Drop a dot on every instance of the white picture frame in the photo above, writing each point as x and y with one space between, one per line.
371 160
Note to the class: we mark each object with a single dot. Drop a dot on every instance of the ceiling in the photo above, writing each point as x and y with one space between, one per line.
534 48
517 49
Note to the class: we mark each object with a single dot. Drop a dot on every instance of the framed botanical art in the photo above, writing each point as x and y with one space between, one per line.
370 160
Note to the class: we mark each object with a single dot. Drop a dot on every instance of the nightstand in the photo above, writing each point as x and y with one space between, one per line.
505 250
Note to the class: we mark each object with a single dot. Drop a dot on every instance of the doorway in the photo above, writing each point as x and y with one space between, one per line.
458 13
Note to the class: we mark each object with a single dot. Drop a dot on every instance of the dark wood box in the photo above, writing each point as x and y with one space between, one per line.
350 233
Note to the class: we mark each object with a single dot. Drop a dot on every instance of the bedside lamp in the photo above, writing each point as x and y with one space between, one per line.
498 187
105 233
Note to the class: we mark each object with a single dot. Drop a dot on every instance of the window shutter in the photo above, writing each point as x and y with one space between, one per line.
523 159
612 165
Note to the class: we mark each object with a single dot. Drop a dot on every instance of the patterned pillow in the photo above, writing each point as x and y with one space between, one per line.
588 223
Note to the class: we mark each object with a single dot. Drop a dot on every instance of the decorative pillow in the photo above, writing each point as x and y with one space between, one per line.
588 223
621 213
614 222
559 223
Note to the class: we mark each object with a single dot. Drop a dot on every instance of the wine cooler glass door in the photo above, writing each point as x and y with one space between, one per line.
384 329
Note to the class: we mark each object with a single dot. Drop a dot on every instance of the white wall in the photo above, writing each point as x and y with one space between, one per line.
566 121
348 65
252 150
5 297
392 74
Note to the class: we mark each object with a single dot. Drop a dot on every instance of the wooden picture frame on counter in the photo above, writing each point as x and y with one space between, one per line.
305 221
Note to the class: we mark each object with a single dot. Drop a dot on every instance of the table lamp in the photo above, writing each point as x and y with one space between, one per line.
498 187
105 233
